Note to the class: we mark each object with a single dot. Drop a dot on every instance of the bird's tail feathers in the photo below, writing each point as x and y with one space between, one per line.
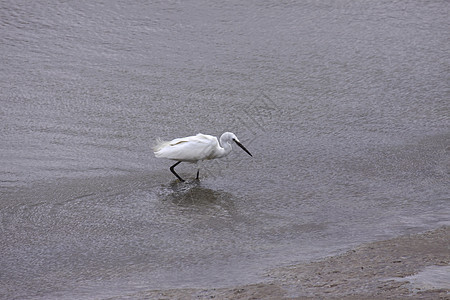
159 144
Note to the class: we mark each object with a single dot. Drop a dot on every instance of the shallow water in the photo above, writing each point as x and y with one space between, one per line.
431 278
344 106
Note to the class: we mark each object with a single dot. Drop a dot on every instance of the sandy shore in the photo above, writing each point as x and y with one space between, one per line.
378 270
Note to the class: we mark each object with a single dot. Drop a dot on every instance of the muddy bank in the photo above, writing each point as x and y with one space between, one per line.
378 270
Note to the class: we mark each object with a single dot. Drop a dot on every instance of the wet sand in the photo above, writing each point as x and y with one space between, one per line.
372 271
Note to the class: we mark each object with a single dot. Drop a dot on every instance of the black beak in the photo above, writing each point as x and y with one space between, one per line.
243 148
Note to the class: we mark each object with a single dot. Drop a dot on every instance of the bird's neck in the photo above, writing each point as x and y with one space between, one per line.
225 148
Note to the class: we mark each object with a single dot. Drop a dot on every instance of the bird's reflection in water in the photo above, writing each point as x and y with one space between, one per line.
193 196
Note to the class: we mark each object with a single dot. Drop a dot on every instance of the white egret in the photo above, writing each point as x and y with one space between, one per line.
194 148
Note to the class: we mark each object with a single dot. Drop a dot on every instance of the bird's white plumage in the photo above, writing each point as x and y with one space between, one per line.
195 148
189 149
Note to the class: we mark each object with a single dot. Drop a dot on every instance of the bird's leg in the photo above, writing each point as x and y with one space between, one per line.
198 171
175 173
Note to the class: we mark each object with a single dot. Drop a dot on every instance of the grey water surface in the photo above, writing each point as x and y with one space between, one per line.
343 104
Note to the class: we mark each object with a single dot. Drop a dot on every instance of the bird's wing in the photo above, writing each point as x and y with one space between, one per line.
191 148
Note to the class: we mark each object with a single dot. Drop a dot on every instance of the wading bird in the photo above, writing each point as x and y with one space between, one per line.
194 148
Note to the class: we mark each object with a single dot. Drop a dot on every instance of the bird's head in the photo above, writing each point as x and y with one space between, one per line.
227 137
